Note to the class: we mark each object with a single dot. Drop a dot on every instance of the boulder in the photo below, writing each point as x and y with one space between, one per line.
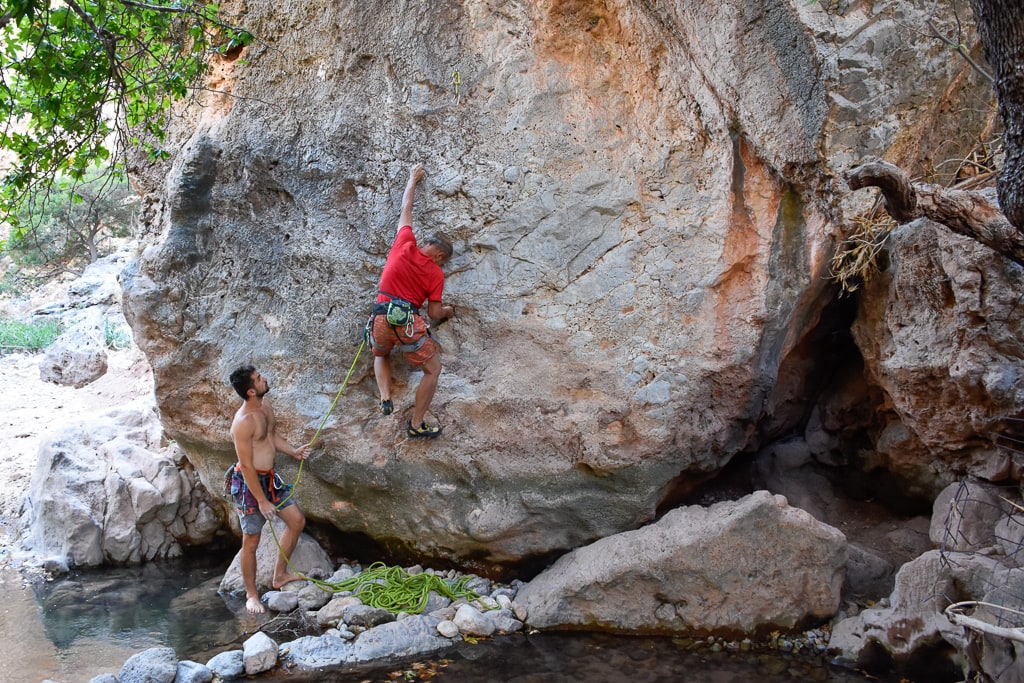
331 614
259 653
913 623
413 636
308 559
644 201
316 652
227 665
107 489
964 516
79 355
193 672
472 622
365 616
748 566
155 665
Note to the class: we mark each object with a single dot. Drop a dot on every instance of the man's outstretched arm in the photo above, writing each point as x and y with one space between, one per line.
416 174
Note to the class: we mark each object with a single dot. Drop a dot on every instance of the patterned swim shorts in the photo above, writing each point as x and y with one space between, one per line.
277 492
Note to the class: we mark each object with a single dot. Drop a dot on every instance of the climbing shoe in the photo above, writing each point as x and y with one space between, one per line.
423 430
386 406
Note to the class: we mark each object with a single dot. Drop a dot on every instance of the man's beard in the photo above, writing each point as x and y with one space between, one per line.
261 394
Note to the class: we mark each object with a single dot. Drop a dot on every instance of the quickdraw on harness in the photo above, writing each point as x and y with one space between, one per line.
398 313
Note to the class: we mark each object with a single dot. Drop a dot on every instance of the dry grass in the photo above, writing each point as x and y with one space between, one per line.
856 260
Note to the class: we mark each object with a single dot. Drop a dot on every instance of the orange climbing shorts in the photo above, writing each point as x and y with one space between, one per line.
384 338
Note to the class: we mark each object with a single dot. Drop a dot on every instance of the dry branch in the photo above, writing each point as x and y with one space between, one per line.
966 212
959 619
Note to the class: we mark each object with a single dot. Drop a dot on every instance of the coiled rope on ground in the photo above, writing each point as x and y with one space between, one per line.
396 590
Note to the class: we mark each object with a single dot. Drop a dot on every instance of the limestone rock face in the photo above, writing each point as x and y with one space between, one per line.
741 567
643 198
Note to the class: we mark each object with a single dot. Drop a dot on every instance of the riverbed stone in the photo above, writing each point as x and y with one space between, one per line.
341 573
259 652
331 613
281 601
312 597
314 652
503 621
192 672
448 628
472 623
435 601
228 665
365 616
416 635
155 665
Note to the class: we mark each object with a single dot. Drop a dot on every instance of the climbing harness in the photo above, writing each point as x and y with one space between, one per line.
399 313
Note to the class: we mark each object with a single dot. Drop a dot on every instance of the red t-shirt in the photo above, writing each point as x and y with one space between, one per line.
408 274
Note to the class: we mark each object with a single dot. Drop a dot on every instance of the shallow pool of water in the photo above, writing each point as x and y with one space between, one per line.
88 623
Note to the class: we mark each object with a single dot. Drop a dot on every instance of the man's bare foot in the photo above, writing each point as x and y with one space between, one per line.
283 580
254 606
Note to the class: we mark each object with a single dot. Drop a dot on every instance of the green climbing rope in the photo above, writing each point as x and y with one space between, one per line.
396 590
390 588
298 475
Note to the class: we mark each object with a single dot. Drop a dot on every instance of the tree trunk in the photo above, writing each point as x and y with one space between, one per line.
1001 30
965 212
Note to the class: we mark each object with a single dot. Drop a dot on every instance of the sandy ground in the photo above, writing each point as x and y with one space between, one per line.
31 410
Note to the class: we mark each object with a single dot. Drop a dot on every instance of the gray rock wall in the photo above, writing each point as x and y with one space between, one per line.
643 200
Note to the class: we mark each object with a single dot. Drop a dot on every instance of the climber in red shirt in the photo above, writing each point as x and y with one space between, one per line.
412 275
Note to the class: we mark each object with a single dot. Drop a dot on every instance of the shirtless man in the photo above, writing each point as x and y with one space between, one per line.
260 495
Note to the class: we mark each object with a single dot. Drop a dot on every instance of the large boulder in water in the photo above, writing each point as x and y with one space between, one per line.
748 566
108 490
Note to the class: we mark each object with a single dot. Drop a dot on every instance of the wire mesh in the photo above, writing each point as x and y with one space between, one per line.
987 518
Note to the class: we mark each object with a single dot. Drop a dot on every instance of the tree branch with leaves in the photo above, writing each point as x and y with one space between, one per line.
82 82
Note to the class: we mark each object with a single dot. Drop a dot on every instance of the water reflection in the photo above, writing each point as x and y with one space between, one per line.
169 603
595 658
